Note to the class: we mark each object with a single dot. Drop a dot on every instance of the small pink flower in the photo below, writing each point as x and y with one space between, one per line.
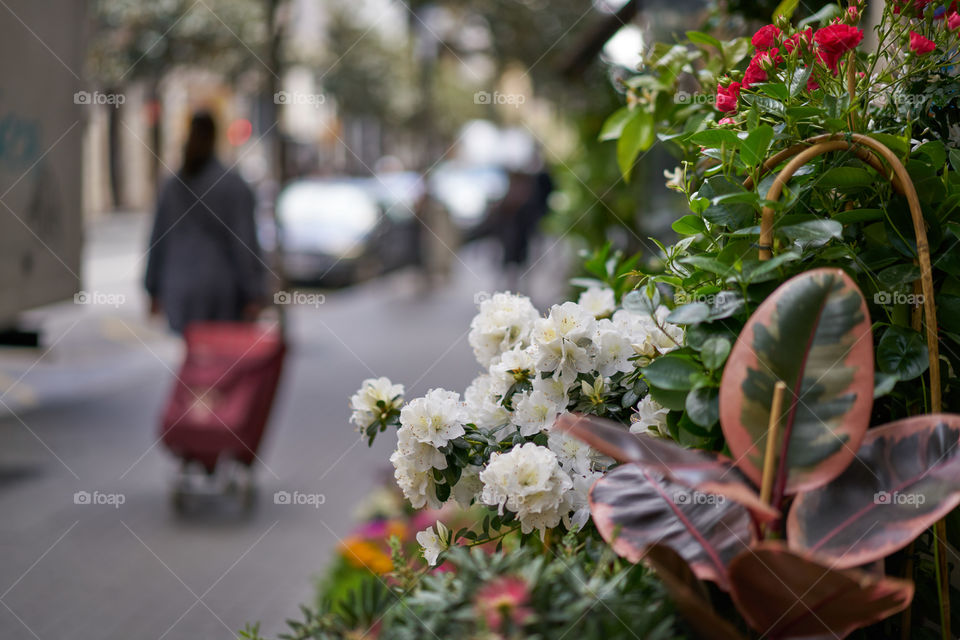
728 96
726 120
920 45
503 599
953 21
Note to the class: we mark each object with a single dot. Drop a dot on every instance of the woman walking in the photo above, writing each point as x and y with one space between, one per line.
204 260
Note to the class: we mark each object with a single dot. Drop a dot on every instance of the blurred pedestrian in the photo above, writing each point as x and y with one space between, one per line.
204 259
517 218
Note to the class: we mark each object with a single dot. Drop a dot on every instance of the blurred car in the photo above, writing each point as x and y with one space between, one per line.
335 232
468 192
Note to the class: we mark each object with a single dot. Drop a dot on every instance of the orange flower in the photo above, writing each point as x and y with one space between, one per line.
365 554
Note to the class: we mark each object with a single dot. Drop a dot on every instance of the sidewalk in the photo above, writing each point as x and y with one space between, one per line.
100 341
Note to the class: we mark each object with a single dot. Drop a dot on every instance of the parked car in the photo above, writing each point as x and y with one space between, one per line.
335 232
468 192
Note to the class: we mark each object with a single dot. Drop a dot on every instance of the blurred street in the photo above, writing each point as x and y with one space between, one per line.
82 416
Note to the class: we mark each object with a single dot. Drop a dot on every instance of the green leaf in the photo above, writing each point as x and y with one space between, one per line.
714 352
824 15
846 178
637 136
754 148
896 144
613 126
813 334
730 214
902 352
798 81
736 50
715 138
698 37
776 90
692 313
785 9
689 225
856 216
813 233
703 407
671 372
708 264
899 274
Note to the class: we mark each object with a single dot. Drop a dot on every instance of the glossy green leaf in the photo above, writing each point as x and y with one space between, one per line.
692 313
812 333
689 225
903 352
614 124
637 135
671 372
698 37
714 352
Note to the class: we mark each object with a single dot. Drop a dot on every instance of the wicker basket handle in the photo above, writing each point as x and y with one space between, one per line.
872 152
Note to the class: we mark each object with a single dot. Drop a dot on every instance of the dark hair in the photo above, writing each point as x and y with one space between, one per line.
201 140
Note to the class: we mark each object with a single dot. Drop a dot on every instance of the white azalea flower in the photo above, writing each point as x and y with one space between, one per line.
650 416
578 500
534 412
527 480
554 389
637 329
419 455
564 342
598 301
468 487
504 321
418 486
363 403
668 338
483 406
433 544
434 419
513 364
614 350
573 454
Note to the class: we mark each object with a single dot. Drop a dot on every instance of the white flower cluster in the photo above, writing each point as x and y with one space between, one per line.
364 404
426 425
531 364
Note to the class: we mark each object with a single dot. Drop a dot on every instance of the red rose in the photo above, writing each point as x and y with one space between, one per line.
953 21
766 37
753 75
920 45
800 39
835 40
728 96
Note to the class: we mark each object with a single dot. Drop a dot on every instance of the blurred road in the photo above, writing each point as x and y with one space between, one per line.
81 414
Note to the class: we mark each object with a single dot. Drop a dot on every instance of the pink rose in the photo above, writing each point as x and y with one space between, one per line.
766 37
920 45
